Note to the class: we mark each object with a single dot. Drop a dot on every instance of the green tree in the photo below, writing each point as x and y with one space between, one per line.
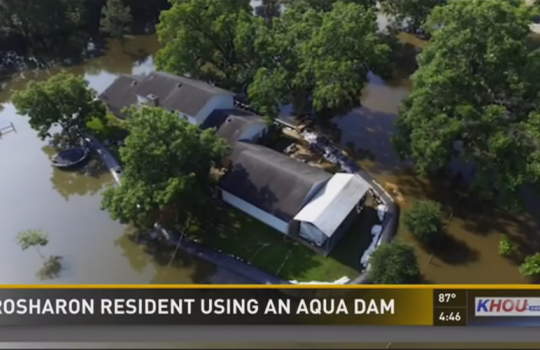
166 174
63 99
318 59
33 239
35 21
199 37
325 5
116 18
394 263
507 247
410 14
531 266
424 220
474 98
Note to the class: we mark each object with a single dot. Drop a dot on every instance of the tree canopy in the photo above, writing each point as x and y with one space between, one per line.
318 58
409 14
166 174
116 18
475 96
394 263
424 220
200 38
64 99
308 56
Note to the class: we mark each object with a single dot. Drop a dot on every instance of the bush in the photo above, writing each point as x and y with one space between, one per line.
394 263
424 221
531 266
506 246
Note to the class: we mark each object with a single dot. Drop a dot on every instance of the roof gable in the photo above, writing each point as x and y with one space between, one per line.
271 181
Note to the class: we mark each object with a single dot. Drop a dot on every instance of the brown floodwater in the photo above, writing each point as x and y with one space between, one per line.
471 253
34 195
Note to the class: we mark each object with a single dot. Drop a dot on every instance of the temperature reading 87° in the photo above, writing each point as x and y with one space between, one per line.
446 298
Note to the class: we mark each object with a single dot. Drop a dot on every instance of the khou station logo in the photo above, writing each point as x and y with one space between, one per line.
517 307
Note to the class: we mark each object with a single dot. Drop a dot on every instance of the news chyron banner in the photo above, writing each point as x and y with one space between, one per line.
268 305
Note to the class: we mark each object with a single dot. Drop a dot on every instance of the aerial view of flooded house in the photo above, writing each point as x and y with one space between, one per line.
301 201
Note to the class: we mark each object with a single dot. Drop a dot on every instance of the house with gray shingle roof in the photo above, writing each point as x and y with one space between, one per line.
191 99
301 201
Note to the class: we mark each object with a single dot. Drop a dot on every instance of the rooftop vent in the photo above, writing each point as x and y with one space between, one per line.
179 85
133 83
153 100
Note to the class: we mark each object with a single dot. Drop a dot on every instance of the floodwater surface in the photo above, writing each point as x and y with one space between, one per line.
34 195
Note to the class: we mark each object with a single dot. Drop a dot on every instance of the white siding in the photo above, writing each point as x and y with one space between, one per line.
189 118
216 102
256 213
253 132
312 233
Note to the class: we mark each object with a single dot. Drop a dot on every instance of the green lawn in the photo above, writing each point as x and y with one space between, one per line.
269 250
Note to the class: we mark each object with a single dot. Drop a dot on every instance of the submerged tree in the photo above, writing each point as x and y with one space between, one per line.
531 266
424 220
63 99
33 239
166 176
394 263
115 19
475 96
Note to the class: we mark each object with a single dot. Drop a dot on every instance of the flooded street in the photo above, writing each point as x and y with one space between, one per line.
95 249
34 195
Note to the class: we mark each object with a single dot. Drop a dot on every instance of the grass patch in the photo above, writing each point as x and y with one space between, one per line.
249 239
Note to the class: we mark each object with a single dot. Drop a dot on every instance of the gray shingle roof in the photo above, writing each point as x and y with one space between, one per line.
181 94
121 93
270 180
234 126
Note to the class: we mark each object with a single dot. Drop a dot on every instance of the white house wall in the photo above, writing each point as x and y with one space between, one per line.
256 213
216 102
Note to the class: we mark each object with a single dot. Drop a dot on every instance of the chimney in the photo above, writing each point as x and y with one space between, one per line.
153 100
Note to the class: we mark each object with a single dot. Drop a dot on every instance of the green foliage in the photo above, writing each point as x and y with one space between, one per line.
424 220
322 56
306 56
531 266
116 18
200 37
36 20
411 14
394 263
166 175
63 99
506 246
475 98
32 238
